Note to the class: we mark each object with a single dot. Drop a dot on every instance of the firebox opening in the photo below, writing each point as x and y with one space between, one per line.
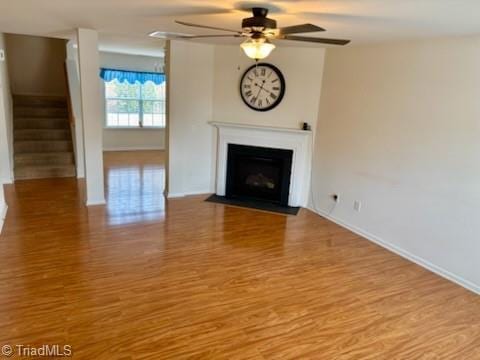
258 173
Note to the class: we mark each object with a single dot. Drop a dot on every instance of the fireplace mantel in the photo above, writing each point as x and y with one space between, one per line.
300 141
262 128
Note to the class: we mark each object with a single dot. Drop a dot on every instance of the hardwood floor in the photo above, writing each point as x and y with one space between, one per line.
145 278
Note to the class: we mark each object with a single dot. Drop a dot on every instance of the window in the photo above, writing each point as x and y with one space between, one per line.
134 105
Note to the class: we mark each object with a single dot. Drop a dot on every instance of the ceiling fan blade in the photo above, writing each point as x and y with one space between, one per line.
210 36
315 40
298 29
206 26
173 35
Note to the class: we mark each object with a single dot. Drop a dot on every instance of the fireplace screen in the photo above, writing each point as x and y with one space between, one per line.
258 173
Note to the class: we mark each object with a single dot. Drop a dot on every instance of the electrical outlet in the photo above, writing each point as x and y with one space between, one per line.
2 55
336 198
357 205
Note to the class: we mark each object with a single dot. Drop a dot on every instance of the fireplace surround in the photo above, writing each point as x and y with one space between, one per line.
296 141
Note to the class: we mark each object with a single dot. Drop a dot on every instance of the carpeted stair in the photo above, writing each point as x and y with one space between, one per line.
42 140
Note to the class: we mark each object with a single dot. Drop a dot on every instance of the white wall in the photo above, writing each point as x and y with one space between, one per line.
399 130
6 120
5 131
190 77
207 77
131 139
302 69
36 65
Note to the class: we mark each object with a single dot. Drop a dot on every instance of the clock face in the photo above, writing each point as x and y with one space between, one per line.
262 87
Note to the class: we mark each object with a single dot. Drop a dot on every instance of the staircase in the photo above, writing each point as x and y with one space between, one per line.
42 140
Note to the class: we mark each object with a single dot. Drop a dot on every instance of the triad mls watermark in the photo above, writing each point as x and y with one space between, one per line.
45 350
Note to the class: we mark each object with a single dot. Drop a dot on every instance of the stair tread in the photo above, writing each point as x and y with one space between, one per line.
44 153
46 158
41 130
36 99
41 123
41 140
44 107
43 104
56 166
37 106
39 112
24 117
26 172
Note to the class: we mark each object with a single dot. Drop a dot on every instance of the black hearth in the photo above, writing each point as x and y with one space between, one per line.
258 174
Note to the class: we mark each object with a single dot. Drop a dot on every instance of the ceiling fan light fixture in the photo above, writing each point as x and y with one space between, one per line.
257 49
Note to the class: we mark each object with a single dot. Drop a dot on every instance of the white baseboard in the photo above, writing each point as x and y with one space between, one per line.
3 214
174 195
403 253
80 174
95 202
7 181
138 148
180 195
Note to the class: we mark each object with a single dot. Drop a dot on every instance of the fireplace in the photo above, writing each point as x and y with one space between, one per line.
257 173
282 152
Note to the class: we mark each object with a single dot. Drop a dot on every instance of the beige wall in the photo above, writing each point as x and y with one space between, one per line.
399 130
190 149
303 77
204 87
5 131
133 139
6 122
36 65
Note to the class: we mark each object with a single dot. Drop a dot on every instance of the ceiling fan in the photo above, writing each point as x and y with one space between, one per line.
259 30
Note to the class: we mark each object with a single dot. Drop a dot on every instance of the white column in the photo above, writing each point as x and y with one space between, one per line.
5 131
91 114
6 123
74 87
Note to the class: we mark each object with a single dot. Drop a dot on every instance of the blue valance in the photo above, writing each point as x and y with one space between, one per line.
132 76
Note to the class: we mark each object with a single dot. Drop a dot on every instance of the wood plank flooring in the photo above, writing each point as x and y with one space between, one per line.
145 278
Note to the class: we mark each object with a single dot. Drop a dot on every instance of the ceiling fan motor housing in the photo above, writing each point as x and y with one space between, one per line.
259 20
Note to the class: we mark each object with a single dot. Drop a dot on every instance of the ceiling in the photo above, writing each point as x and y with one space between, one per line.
124 24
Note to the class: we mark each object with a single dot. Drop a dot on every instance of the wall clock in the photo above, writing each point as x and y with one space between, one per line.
262 87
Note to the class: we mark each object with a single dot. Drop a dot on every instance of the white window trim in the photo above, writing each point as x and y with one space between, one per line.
140 126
